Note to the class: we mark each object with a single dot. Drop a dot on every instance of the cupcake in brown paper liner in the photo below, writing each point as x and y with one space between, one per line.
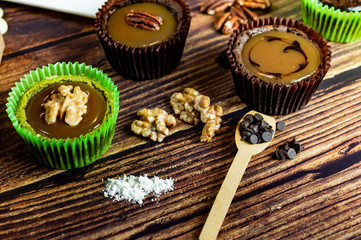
277 64
143 39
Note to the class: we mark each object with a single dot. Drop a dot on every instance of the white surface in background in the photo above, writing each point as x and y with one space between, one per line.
3 23
84 8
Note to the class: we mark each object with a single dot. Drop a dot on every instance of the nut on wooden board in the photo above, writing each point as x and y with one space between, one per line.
232 13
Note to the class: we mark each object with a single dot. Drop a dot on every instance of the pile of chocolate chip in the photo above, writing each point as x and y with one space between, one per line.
288 150
254 129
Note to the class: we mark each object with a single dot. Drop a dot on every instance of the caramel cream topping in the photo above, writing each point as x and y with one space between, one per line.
131 25
280 57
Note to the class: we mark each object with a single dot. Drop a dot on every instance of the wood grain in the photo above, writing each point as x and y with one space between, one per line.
315 196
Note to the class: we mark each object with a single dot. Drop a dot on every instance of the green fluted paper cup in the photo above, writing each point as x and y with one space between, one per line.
333 24
64 153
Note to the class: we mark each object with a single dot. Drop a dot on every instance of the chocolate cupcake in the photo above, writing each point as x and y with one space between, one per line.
277 64
66 114
336 20
143 39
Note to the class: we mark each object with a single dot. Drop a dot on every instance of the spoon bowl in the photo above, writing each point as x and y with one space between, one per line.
253 148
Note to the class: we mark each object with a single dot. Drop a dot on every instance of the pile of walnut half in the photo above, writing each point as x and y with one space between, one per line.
232 13
191 106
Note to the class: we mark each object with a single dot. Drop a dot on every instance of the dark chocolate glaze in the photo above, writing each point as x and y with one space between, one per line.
294 46
96 108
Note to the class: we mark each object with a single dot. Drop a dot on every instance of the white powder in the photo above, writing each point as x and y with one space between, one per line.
134 189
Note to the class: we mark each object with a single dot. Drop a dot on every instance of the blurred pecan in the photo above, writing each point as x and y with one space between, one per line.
261 4
251 14
233 13
222 20
144 21
237 10
216 6
230 21
230 25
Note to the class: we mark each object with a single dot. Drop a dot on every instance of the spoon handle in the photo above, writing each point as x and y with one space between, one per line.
225 195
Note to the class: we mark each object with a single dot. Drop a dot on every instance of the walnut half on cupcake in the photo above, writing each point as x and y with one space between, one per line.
66 113
277 64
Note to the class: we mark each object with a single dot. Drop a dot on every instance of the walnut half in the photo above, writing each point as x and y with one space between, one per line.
66 104
210 116
195 108
153 124
183 105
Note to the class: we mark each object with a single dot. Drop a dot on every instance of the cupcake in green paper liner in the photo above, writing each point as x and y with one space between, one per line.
66 113
335 20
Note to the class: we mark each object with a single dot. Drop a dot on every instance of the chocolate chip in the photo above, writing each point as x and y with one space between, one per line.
253 139
266 136
291 153
280 126
270 130
254 128
245 134
264 125
293 141
295 145
298 147
285 147
302 148
280 154
258 117
244 124
249 117
291 149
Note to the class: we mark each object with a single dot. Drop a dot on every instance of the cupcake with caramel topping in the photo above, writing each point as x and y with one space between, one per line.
66 114
277 64
143 39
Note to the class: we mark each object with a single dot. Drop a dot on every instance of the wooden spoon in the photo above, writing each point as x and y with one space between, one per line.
230 184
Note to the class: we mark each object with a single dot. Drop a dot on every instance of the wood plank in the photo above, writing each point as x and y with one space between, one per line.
315 196
32 28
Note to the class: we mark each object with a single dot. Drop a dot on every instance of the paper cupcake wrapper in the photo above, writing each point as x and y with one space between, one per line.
143 63
66 153
335 25
273 98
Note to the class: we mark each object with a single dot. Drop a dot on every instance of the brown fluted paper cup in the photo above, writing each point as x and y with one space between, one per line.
277 98
142 63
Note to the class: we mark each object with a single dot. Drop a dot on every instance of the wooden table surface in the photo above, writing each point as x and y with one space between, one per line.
317 195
